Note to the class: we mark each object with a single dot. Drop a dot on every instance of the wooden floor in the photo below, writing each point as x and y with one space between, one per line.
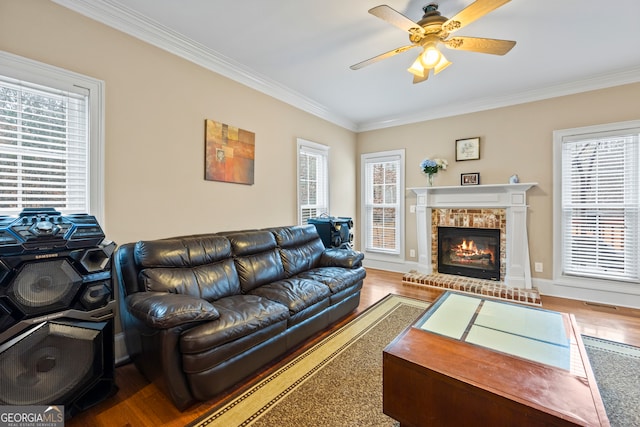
139 403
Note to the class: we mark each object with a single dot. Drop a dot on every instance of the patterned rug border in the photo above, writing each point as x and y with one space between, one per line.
612 346
346 336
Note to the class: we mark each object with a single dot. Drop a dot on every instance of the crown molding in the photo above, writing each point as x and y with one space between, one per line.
118 16
621 77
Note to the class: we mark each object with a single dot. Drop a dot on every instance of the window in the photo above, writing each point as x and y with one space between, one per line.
597 203
313 180
50 139
382 186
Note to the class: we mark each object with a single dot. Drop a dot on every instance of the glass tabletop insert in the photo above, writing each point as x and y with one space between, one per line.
528 332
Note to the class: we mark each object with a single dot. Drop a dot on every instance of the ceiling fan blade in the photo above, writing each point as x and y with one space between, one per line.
475 44
475 10
395 18
381 57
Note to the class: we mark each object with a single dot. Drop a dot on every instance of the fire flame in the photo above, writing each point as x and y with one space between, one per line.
468 250
471 246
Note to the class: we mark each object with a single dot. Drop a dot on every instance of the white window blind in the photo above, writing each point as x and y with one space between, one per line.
382 203
313 180
43 148
600 202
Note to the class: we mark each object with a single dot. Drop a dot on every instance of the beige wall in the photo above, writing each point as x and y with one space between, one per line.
515 139
156 105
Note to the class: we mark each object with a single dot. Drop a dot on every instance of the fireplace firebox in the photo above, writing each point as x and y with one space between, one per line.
470 252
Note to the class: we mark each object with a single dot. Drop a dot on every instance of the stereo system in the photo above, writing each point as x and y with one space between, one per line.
335 232
57 311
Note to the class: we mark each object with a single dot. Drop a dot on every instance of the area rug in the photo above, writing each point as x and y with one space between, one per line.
343 372
616 367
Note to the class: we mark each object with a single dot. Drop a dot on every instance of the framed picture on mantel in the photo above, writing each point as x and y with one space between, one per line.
470 178
467 149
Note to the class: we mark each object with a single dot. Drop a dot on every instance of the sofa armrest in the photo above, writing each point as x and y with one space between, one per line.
162 310
347 258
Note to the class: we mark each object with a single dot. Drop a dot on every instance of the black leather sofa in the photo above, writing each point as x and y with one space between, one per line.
200 313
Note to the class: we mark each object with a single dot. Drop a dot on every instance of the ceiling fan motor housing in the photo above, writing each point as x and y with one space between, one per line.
431 23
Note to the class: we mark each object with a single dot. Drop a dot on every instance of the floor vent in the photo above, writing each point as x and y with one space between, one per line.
600 305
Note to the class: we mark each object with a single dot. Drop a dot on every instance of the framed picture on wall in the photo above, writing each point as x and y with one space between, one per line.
467 149
229 153
470 178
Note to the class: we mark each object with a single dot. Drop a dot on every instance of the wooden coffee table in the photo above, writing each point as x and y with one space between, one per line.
474 361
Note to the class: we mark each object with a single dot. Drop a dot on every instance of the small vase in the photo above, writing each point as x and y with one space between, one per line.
430 179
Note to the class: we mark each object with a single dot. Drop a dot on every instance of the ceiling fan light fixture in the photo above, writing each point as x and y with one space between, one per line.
417 69
430 57
444 63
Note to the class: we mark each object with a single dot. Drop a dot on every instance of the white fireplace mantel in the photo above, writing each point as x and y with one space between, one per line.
511 197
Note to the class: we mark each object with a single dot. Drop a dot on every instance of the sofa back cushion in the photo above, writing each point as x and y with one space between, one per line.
199 266
256 257
188 251
300 247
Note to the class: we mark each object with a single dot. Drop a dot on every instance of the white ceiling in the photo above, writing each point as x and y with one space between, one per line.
300 51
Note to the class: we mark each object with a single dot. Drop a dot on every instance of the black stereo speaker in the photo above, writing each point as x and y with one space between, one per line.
57 311
335 232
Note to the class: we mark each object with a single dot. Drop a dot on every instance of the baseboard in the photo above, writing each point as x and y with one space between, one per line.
396 267
618 299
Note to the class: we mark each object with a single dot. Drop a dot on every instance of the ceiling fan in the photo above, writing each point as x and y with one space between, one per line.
434 29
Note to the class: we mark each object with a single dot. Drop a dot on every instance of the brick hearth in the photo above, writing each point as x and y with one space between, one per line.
472 286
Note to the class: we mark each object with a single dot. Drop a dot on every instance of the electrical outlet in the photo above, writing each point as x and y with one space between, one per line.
538 267
412 253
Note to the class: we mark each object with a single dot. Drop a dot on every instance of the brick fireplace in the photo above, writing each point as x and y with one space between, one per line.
500 206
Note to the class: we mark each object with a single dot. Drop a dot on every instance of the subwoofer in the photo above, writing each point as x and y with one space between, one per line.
57 311
62 362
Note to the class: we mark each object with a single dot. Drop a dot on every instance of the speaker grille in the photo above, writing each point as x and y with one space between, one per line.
52 361
43 286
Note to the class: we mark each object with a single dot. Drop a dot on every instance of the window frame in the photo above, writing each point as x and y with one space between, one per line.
24 69
396 256
559 276
321 150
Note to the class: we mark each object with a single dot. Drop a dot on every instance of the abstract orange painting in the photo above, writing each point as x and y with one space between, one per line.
229 153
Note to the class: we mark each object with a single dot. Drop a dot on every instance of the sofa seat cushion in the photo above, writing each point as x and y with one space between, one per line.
346 293
336 278
296 294
240 316
195 363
